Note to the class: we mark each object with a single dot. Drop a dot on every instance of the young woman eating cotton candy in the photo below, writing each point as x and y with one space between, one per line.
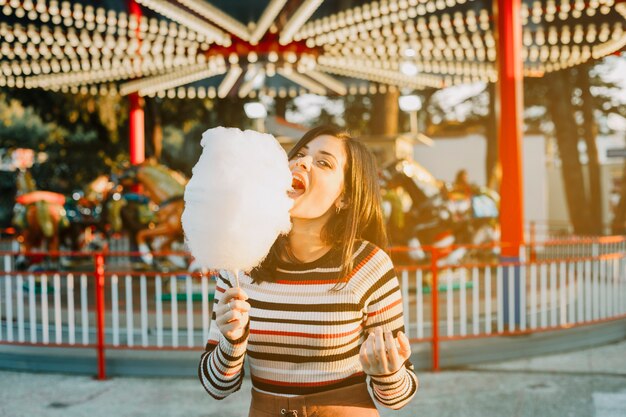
322 315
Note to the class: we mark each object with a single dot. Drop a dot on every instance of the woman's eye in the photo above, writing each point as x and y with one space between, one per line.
299 155
324 163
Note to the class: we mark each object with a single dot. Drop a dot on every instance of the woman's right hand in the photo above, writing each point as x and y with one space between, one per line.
231 313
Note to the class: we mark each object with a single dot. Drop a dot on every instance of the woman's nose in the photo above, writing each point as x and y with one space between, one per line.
305 162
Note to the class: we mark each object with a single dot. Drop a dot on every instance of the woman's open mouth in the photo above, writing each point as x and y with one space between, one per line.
298 187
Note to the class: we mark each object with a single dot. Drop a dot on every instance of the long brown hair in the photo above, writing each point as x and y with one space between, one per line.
362 217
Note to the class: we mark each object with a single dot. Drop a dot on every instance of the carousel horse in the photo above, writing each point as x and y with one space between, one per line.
39 215
84 212
420 213
165 188
475 215
103 209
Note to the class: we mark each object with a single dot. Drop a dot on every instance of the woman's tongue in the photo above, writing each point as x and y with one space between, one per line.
297 189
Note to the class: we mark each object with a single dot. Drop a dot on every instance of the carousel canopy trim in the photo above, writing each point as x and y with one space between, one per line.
186 48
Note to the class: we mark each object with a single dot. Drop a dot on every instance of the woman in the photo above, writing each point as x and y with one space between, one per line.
323 312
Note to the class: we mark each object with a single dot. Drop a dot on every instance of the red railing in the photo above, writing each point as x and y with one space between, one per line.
548 288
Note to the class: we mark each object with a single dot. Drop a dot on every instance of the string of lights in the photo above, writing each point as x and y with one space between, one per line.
384 44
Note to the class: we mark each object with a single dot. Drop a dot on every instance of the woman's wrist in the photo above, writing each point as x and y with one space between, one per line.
388 374
238 339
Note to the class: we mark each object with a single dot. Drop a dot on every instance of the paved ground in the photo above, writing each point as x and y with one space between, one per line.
585 383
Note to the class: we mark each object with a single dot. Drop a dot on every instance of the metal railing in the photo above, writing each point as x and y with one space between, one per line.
99 306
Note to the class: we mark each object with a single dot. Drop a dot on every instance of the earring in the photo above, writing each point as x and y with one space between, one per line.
337 209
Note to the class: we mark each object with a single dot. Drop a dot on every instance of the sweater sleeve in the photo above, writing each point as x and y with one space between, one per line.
383 306
221 364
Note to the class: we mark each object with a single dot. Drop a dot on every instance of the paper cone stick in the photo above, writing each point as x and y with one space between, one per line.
236 273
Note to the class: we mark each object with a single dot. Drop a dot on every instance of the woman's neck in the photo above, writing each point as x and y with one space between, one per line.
305 239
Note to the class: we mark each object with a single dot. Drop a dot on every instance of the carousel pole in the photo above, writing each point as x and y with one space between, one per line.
509 107
137 134
136 119
136 125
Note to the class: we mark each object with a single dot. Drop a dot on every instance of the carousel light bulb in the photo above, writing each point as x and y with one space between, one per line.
409 53
578 34
408 68
291 57
591 36
565 37
66 10
552 36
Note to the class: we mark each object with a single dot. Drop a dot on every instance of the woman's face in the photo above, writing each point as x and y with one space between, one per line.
318 177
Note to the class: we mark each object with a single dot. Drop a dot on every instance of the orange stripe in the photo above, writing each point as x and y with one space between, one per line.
304 384
332 281
360 265
382 310
311 282
310 335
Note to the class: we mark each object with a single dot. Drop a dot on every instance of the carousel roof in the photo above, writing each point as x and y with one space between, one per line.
247 48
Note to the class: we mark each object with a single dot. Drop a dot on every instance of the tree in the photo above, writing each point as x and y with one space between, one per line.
576 98
357 113
85 136
571 102
385 111
618 223
561 109
589 129
80 134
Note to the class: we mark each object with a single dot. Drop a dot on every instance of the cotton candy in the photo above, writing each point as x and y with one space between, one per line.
236 202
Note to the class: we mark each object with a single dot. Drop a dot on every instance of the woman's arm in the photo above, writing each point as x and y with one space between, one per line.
221 365
392 376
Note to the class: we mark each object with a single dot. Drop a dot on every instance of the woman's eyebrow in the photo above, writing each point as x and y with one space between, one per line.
329 154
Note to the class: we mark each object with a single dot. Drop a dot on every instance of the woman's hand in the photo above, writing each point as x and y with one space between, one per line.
380 356
231 313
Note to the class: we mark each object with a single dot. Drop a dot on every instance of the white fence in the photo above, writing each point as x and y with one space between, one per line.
172 310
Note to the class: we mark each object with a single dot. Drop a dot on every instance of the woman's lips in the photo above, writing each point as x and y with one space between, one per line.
295 193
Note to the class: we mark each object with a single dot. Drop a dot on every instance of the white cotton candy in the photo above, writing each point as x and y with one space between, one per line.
236 202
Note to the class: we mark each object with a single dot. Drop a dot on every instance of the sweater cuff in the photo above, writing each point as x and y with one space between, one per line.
235 348
389 379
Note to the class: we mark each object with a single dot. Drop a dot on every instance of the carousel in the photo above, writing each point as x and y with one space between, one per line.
196 48
284 48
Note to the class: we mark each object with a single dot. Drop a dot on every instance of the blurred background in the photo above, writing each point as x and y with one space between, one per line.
499 128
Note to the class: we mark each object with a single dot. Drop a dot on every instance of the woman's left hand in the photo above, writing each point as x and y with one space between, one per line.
379 354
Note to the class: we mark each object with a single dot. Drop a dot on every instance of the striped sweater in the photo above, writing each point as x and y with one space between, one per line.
304 338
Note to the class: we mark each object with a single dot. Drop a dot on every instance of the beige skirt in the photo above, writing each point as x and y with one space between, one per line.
350 401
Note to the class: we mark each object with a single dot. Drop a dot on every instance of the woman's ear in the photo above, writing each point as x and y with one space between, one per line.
342 202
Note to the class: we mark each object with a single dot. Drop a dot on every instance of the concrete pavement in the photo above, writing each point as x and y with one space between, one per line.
585 383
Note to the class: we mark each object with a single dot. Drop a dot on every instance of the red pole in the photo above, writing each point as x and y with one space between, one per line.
134 9
99 261
136 119
435 306
137 134
510 100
